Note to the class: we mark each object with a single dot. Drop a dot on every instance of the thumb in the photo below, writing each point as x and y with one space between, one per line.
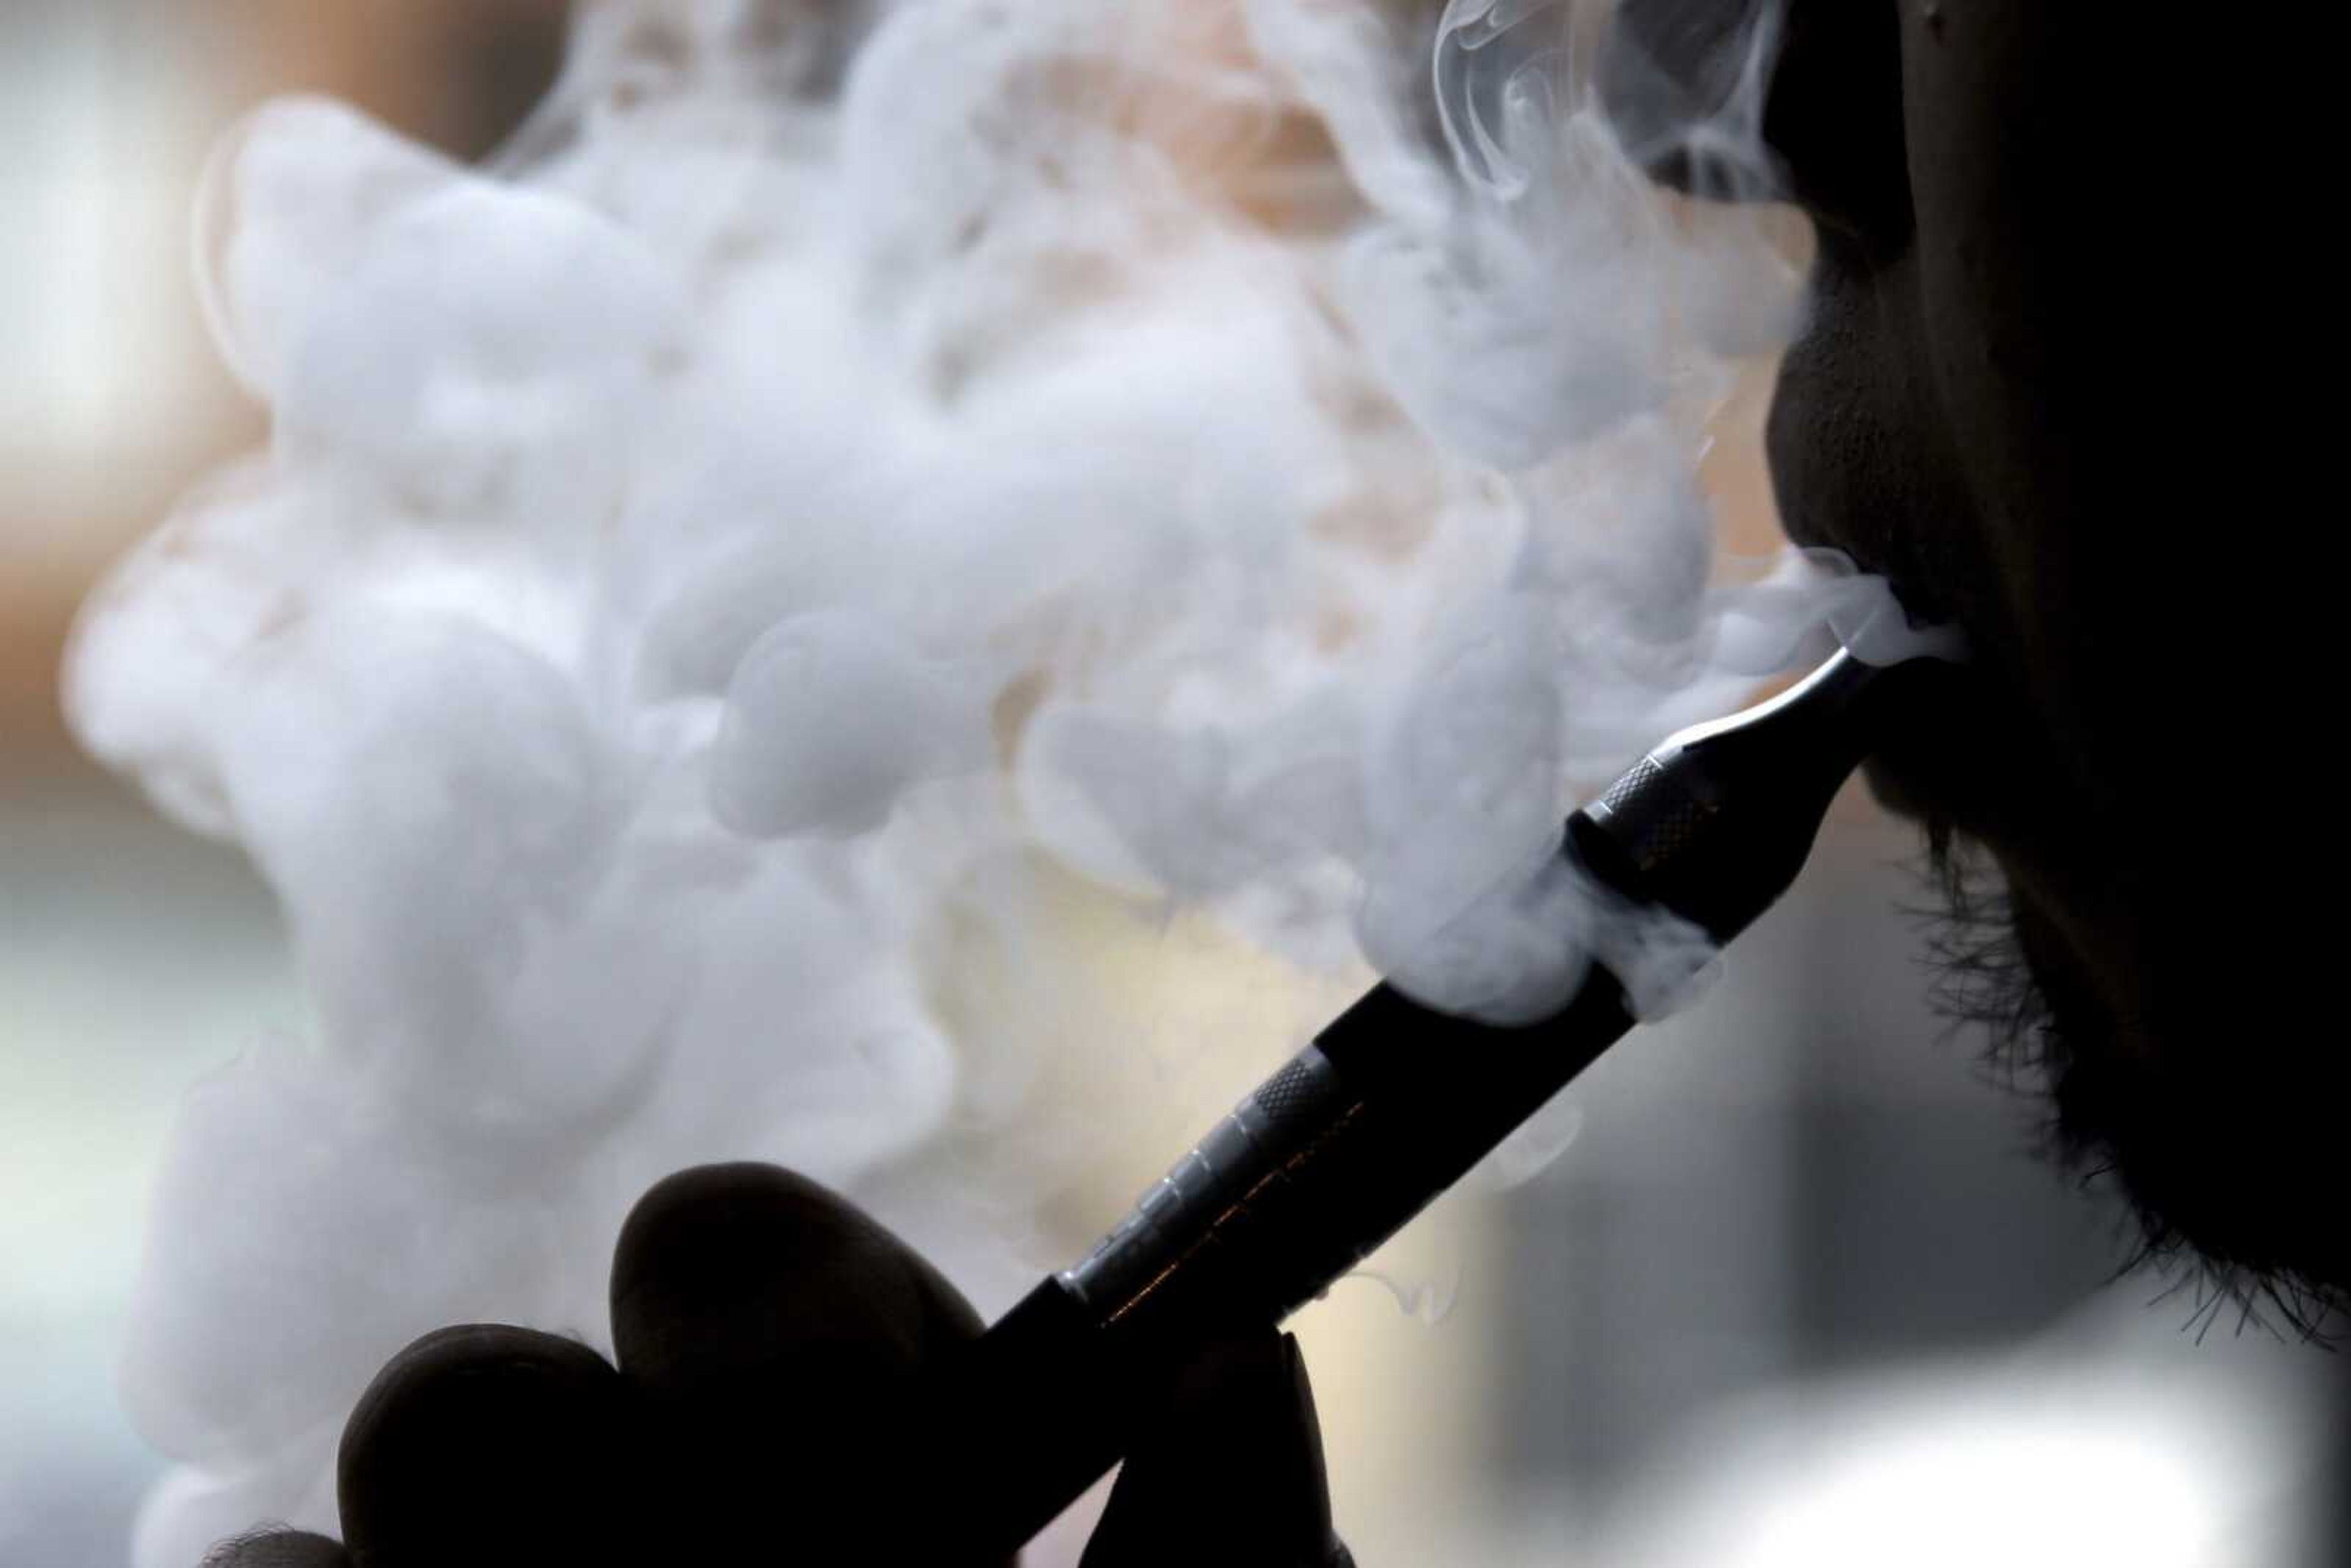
1229 1473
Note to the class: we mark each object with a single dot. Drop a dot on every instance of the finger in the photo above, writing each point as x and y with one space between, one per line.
734 1272
270 1547
776 1332
1230 1473
487 1447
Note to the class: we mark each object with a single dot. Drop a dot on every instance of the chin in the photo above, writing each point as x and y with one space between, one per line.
2211 1119
2224 1178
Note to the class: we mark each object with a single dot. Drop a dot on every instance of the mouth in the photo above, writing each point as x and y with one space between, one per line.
1956 760
1911 752
1947 762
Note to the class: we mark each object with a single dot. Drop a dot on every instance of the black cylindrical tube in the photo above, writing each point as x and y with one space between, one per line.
1329 1158
1391 1104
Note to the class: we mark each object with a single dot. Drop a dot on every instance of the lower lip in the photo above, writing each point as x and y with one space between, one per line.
1960 762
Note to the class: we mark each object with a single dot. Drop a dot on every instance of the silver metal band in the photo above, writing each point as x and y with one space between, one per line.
1240 1154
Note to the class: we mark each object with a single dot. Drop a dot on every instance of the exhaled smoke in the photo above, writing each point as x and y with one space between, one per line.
845 479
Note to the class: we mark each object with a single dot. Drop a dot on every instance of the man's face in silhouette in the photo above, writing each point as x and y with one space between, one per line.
2039 390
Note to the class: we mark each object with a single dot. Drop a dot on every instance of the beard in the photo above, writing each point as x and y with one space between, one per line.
2211 1117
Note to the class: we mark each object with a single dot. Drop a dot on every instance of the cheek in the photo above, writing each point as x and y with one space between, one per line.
2050 322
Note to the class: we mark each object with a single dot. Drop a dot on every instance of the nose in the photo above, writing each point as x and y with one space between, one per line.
1686 84
1795 100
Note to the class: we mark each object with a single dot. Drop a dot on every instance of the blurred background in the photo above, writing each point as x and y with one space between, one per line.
1797 1294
